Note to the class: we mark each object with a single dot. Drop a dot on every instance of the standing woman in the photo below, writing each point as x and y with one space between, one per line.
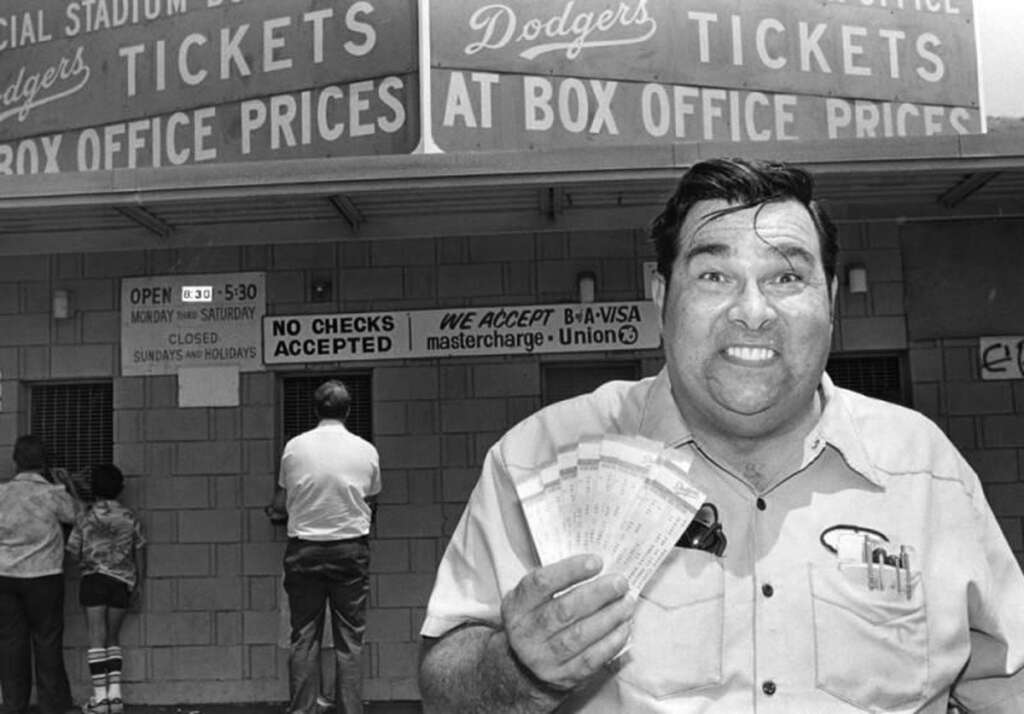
108 544
32 582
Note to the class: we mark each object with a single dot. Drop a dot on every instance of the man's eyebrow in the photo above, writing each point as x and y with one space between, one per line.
713 249
794 252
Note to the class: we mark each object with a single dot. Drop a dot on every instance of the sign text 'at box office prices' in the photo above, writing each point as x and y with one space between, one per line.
536 73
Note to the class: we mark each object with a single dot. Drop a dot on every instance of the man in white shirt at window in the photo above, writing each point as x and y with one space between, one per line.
328 482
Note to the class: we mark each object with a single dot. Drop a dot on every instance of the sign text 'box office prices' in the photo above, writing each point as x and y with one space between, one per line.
112 84
537 73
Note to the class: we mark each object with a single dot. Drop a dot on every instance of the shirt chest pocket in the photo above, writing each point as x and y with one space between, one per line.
677 630
871 646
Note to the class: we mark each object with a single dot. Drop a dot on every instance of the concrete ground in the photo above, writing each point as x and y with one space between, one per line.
264 708
267 708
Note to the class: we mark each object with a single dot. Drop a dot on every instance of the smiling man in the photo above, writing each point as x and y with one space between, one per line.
861 568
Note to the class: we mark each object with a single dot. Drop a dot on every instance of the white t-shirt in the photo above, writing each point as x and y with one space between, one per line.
328 473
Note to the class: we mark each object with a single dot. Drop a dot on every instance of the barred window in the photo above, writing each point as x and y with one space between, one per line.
876 375
562 380
76 420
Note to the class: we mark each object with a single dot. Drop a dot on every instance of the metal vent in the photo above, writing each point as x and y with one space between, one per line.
879 376
564 380
297 405
76 421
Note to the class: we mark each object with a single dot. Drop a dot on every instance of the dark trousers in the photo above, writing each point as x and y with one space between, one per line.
32 629
317 574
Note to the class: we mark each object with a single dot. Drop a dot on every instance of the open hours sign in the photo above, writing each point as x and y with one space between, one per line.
174 321
504 330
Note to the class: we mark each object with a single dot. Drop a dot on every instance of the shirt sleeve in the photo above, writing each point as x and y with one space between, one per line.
993 681
138 538
74 544
63 504
375 483
281 469
489 553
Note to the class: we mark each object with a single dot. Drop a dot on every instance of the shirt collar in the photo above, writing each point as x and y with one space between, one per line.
33 476
661 421
838 428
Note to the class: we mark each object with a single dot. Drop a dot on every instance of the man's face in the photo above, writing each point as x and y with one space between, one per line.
746 318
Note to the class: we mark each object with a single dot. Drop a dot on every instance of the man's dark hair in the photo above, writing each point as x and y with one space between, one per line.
107 481
744 184
30 453
331 400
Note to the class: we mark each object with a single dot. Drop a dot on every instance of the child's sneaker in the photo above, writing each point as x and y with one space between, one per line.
96 707
116 706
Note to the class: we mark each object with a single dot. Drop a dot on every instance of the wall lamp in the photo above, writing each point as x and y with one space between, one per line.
586 286
61 304
857 279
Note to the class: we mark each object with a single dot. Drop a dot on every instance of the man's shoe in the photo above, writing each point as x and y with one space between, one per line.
116 706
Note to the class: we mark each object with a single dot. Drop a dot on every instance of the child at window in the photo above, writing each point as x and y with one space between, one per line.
107 542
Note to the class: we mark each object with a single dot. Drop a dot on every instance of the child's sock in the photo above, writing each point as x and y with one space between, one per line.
97 658
114 664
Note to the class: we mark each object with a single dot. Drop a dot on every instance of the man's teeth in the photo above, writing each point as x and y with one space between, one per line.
750 354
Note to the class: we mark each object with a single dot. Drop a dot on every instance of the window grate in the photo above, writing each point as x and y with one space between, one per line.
76 420
297 404
564 380
879 376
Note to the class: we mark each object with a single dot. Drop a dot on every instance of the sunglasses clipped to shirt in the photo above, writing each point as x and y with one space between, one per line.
704 532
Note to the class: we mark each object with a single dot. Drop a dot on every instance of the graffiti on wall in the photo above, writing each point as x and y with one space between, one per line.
1002 357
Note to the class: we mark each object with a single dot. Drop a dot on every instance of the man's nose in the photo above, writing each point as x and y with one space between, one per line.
751 307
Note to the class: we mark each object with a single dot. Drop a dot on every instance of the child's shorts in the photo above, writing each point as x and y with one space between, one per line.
97 589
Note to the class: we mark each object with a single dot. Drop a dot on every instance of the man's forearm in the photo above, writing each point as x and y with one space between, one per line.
472 671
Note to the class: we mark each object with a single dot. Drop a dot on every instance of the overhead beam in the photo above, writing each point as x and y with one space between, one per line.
552 201
348 210
146 219
965 188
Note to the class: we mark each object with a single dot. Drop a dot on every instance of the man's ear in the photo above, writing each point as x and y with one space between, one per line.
832 299
658 290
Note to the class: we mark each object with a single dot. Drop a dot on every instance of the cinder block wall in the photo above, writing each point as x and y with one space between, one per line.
985 419
210 626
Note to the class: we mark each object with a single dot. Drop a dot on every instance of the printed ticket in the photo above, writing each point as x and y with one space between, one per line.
625 498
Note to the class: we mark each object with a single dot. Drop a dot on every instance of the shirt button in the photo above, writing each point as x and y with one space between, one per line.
767 590
768 687
761 505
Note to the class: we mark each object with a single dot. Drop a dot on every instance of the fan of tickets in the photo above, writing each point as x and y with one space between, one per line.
624 498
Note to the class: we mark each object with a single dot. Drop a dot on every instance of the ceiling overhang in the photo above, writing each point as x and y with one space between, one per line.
474 193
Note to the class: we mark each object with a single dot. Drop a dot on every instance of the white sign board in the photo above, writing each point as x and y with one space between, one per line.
1002 357
461 332
174 321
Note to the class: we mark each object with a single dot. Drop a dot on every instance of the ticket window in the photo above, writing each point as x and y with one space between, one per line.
76 421
882 375
297 413
568 379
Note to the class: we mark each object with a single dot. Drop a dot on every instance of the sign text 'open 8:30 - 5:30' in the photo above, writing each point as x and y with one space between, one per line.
174 321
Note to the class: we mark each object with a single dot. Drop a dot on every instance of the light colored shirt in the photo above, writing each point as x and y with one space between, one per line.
774 625
31 539
328 473
104 540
